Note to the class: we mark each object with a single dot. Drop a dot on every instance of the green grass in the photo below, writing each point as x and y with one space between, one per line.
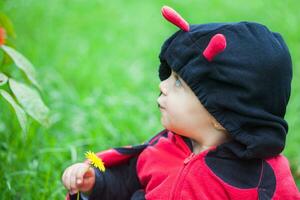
97 62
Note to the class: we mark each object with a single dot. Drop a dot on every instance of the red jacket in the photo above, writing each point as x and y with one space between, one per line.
166 168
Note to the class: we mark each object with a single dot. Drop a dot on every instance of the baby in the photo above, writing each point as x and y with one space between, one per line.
224 91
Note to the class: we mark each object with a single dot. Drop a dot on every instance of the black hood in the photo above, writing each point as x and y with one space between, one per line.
246 87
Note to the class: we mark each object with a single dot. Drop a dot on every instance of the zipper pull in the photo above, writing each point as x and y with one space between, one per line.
188 159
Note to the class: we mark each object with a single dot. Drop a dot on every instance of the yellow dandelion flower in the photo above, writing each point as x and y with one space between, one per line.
95 160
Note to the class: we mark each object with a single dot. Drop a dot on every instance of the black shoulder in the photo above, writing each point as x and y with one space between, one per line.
131 150
136 149
244 174
155 139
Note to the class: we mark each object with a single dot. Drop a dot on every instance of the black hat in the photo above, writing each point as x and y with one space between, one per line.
241 73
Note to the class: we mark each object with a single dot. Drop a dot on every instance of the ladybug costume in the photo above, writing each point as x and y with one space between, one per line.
241 73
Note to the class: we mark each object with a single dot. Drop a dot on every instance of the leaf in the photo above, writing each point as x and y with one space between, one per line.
31 101
5 59
3 79
22 63
21 115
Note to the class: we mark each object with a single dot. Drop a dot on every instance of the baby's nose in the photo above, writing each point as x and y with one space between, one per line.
162 88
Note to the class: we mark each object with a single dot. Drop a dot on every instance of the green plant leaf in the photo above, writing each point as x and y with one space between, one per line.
3 79
21 115
31 101
5 59
22 63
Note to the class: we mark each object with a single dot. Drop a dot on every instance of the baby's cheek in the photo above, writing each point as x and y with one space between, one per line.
179 119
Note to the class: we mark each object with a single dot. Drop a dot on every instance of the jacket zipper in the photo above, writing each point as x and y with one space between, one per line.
188 159
175 191
185 163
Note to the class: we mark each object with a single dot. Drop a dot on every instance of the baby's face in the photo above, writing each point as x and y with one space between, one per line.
181 111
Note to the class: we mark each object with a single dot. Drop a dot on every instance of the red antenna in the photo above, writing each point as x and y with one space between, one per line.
216 45
173 17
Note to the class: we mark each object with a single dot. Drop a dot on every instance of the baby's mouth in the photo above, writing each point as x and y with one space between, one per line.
159 106
158 103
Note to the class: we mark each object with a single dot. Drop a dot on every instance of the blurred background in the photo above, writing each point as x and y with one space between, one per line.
97 62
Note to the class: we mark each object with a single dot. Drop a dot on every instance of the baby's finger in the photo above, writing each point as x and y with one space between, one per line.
72 180
80 173
74 191
66 178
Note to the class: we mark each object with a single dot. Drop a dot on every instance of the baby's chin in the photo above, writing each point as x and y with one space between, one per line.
175 130
172 126
166 123
163 123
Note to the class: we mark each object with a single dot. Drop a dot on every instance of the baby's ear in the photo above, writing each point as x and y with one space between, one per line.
216 124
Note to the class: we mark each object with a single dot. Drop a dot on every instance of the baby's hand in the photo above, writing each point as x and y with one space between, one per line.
79 177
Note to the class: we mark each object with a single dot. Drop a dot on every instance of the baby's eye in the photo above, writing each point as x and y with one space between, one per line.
177 82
